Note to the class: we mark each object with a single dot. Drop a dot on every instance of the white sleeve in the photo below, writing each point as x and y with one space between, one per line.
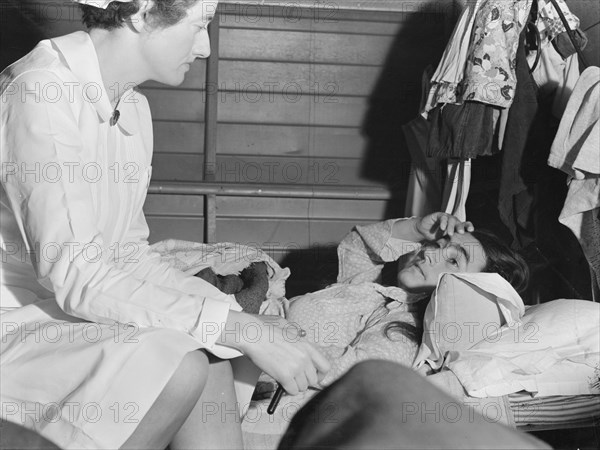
59 215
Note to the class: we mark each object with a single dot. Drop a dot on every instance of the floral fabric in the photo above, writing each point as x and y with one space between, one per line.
490 72
549 23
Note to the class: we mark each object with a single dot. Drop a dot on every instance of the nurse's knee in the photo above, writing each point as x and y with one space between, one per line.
189 379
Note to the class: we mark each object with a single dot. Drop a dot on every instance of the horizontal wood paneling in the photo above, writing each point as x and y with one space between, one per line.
261 140
389 7
291 108
297 46
248 207
266 234
303 20
259 169
176 105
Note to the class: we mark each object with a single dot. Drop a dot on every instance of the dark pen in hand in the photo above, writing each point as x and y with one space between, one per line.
275 400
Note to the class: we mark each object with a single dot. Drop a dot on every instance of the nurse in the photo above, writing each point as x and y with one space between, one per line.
103 345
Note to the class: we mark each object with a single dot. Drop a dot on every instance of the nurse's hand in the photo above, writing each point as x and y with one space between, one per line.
279 350
439 224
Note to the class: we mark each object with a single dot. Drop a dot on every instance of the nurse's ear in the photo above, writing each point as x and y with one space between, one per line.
140 20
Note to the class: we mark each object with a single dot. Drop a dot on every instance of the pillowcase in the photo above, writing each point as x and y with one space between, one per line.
553 350
465 308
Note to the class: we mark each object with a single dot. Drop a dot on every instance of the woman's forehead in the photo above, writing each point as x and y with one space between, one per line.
467 244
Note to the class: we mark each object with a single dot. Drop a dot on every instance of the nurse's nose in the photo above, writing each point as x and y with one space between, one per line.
201 47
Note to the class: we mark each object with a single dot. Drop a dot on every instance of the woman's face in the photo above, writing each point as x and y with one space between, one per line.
169 52
459 253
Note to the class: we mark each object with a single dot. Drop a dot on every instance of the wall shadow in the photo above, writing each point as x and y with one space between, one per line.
395 99
312 269
23 23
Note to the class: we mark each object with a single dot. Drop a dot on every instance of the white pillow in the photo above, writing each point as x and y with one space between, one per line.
553 350
463 310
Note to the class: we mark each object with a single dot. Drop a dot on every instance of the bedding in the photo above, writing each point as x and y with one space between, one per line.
464 309
554 349
556 411
567 329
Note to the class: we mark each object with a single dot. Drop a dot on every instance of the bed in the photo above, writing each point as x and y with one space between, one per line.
536 371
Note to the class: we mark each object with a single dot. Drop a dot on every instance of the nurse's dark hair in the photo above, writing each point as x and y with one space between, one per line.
162 14
500 259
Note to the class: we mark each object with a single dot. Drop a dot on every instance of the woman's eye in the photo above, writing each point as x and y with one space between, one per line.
454 262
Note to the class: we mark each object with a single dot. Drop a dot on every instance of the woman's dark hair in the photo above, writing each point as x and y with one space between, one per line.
500 259
162 14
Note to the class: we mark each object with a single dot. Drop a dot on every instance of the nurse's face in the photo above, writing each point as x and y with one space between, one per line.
169 52
460 253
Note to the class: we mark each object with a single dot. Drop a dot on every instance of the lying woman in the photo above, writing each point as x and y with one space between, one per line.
387 271
374 310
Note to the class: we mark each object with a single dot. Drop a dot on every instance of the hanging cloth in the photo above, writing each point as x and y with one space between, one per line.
550 24
424 184
456 189
576 151
451 69
515 199
490 75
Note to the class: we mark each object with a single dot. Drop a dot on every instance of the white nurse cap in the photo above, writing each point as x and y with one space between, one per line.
100 3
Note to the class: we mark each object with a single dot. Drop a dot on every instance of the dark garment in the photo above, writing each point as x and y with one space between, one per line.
383 405
564 45
590 242
515 200
461 131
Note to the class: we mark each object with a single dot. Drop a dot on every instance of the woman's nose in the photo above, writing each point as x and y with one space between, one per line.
202 45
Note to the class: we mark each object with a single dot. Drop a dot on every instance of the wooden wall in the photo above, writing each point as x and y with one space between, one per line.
306 96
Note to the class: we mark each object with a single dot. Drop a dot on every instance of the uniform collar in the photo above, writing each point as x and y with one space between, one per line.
79 53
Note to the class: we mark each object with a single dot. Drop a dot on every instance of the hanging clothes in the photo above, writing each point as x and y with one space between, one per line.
576 151
465 101
490 71
452 131
456 189
451 69
425 180
550 24
515 200
555 76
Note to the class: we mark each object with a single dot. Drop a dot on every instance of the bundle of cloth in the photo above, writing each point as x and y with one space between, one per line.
232 268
